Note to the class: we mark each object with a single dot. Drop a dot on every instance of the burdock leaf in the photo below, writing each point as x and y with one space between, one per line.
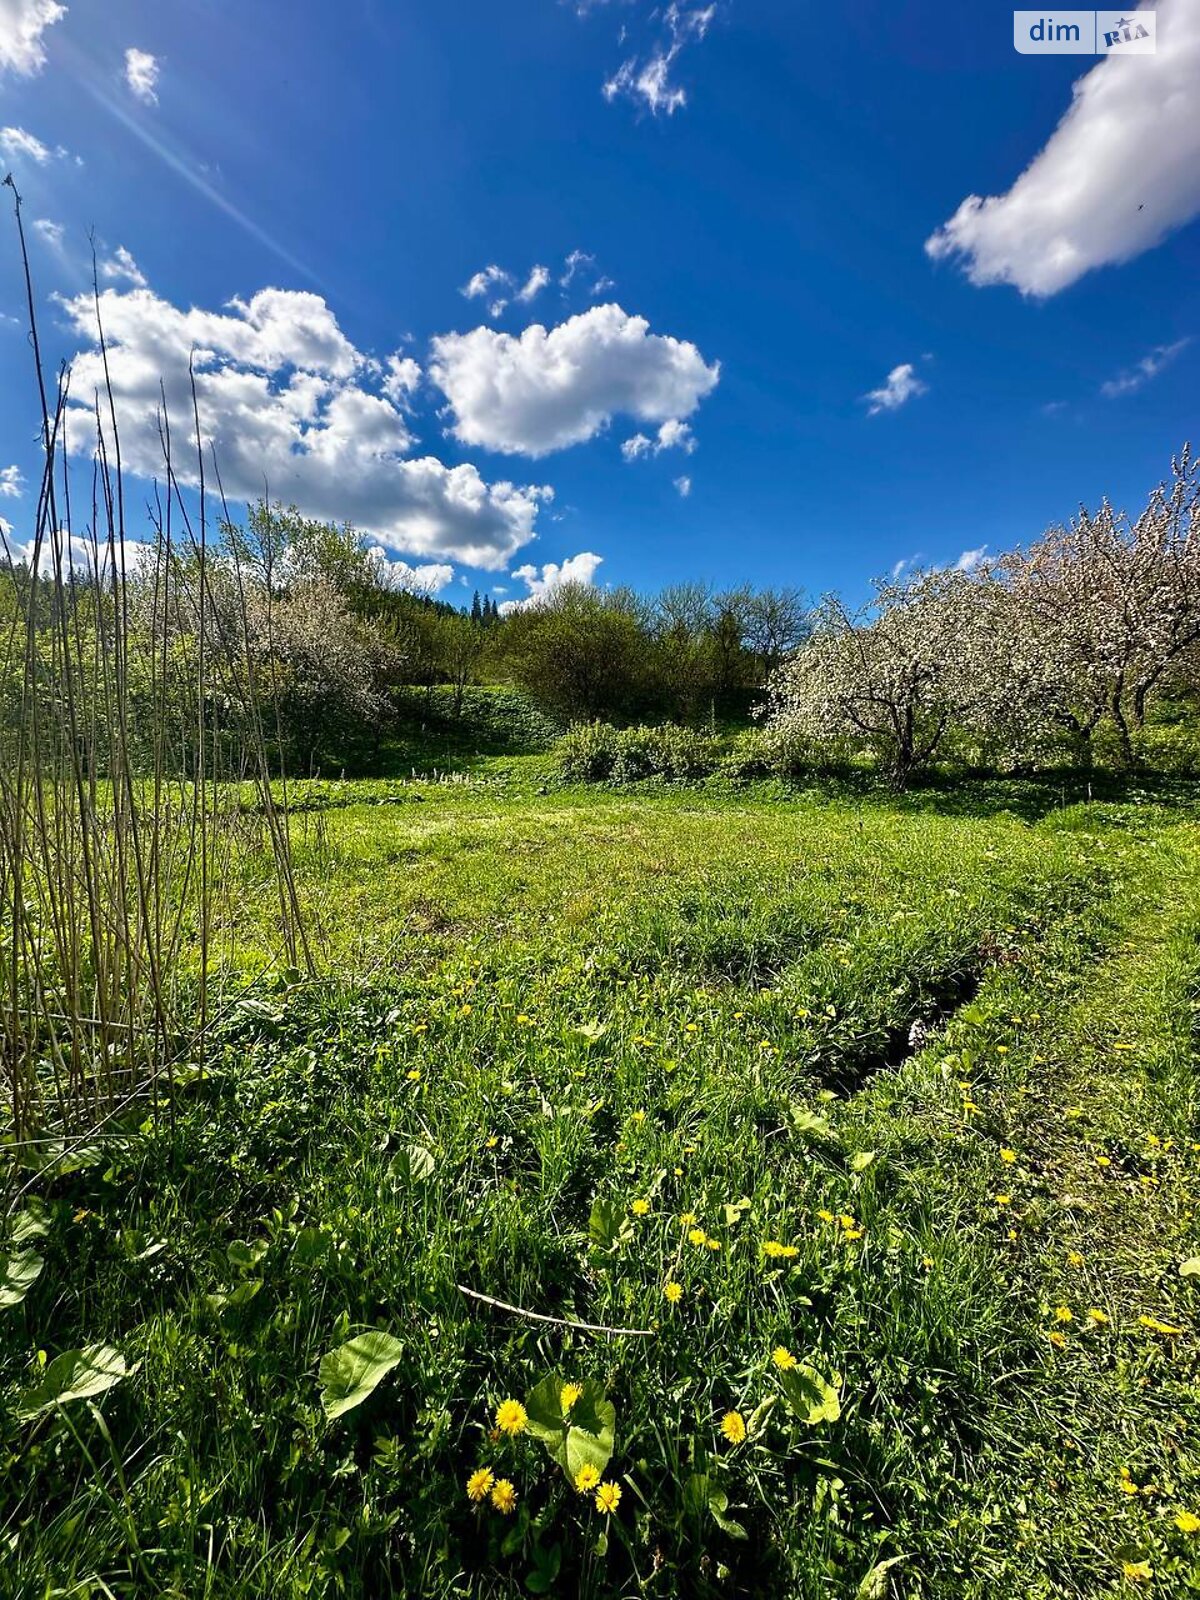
355 1369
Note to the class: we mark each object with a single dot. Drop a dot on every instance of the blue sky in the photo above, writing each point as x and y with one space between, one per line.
749 192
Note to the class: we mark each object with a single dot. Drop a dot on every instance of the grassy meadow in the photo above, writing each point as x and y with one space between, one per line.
816 1171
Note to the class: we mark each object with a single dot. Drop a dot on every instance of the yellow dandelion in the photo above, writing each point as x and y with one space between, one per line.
587 1477
1063 1314
1097 1316
511 1417
608 1498
504 1497
780 1252
414 1076
826 1216
640 1207
491 1142
783 1358
637 1116
1074 1259
1057 1339
697 1236
1188 1522
846 1220
713 1244
1103 1161
733 1426
850 1234
688 1219
479 1484
672 1292
1003 1199
927 1263
1007 1155
570 1393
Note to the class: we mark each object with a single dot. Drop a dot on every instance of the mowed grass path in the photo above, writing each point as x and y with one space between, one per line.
876 1125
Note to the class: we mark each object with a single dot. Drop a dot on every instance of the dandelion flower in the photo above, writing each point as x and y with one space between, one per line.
733 1426
587 1477
783 1358
511 1417
491 1142
1003 1199
688 1219
1074 1259
570 1393
1063 1314
850 1234
1188 1522
637 1116
479 1484
608 1498
1103 1161
414 1076
825 1216
504 1497
780 1252
1007 1155
672 1292
1057 1339
1097 1316
640 1207
697 1236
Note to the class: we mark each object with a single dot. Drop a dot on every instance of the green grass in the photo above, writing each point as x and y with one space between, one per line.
547 1006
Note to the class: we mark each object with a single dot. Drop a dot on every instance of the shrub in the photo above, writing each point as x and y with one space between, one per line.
596 752
587 752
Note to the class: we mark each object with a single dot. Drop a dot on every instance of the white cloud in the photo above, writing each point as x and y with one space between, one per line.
648 79
287 406
970 559
1120 172
546 390
543 581
141 75
684 485
22 24
16 142
51 232
402 379
499 286
122 268
12 482
1133 378
537 280
673 435
902 385
428 578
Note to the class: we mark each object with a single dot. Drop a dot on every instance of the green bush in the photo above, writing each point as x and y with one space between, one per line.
587 753
596 752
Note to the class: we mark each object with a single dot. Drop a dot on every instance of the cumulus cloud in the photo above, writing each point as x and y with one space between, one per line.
12 482
22 24
901 385
647 80
683 485
545 390
970 559
120 267
537 280
1119 173
1135 377
141 75
673 435
402 378
428 578
289 407
543 581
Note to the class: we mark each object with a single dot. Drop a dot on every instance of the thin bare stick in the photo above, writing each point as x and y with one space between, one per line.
558 1322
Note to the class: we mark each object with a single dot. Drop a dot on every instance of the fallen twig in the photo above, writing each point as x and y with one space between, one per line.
560 1322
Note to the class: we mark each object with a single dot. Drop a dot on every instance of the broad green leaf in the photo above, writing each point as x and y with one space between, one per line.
591 1031
245 1257
352 1371
74 1375
809 1124
543 1407
241 1296
1190 1268
29 1225
809 1395
702 1495
413 1164
876 1585
736 1211
545 1573
18 1274
608 1226
862 1159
